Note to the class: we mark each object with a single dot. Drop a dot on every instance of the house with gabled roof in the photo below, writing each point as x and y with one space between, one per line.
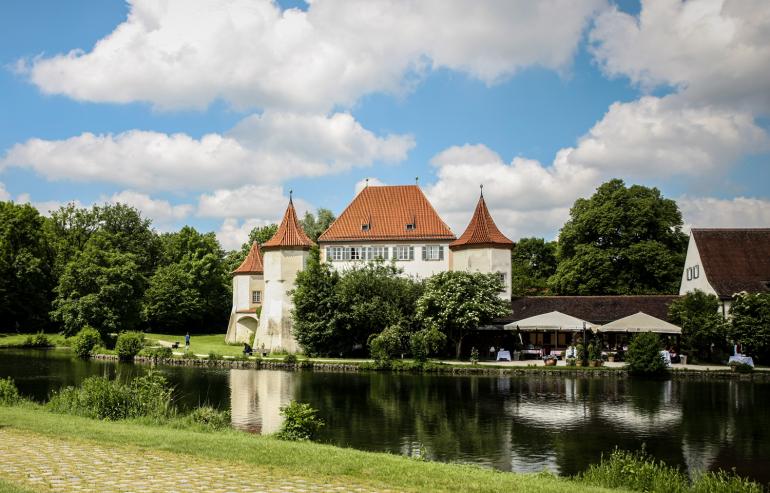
724 262
248 288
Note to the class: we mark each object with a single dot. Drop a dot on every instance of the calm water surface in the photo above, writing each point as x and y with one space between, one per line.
509 423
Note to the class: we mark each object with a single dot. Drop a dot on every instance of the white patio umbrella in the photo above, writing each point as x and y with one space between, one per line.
640 322
550 321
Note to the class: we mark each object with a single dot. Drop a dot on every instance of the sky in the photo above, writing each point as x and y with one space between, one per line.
208 112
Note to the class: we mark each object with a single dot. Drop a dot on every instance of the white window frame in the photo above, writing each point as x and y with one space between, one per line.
433 252
356 253
337 254
256 297
403 253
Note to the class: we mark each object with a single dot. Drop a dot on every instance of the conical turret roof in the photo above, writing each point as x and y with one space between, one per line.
290 234
252 264
481 231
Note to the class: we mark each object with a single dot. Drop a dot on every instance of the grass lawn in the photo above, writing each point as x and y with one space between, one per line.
303 459
7 487
200 344
12 339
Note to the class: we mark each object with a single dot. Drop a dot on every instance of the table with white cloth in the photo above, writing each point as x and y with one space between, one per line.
666 357
503 356
743 359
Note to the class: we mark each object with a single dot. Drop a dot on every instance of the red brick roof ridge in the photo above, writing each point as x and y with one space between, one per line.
289 233
383 207
252 264
482 230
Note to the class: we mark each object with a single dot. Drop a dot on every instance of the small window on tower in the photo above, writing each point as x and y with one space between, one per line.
256 297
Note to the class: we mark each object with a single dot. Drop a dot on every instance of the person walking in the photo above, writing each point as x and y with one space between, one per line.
187 342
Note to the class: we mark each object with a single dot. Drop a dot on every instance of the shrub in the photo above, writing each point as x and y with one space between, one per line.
300 422
213 355
189 355
593 352
637 471
741 367
643 357
129 344
208 417
290 359
570 361
156 353
426 342
474 356
388 344
100 398
85 341
9 393
581 352
37 340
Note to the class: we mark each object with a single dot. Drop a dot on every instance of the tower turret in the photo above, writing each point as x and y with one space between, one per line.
248 290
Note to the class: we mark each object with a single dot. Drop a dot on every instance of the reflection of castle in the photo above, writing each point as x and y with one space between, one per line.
256 398
393 223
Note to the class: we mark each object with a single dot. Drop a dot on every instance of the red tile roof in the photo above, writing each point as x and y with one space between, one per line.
594 309
481 231
252 264
386 211
735 260
290 234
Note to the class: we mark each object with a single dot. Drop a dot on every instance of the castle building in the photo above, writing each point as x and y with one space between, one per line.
724 262
483 248
285 254
248 289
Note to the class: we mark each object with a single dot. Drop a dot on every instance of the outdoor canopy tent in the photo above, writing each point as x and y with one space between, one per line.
550 321
641 322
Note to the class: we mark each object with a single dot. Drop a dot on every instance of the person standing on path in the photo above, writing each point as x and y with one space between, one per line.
187 342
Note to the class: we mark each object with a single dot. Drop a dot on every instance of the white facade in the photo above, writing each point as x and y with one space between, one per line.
417 259
694 276
248 290
275 322
485 260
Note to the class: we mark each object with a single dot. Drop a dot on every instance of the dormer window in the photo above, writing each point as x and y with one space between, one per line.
410 226
366 227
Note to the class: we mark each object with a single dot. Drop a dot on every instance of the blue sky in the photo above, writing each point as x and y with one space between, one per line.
195 123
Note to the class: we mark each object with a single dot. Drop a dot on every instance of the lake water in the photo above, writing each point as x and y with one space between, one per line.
526 423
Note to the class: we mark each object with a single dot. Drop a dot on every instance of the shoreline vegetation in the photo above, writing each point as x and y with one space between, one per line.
211 351
100 413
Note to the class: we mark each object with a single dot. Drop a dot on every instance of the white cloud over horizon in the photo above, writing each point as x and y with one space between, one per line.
188 54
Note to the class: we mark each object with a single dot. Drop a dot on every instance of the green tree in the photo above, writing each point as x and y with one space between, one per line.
101 287
189 291
315 307
69 228
26 268
622 240
533 261
316 224
704 330
260 234
455 303
750 324
643 357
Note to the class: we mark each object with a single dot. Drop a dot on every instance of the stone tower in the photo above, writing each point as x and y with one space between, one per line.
284 255
248 292
483 248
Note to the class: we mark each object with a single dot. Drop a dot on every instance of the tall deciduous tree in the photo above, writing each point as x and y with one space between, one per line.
315 308
26 268
704 330
189 290
750 324
316 224
533 261
455 303
622 240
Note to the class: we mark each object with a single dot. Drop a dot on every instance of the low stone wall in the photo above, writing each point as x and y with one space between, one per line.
442 369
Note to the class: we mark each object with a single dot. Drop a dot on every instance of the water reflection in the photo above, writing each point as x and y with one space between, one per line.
520 424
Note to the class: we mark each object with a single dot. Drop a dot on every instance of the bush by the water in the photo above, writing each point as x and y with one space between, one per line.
37 340
741 367
637 471
9 394
85 341
101 398
129 344
158 352
643 356
290 359
209 418
301 422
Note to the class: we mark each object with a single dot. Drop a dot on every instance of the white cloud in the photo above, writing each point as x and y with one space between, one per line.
250 201
664 137
234 233
361 184
4 195
162 212
525 197
267 148
739 212
186 54
715 51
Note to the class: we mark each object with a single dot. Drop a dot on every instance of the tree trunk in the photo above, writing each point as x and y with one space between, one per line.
459 347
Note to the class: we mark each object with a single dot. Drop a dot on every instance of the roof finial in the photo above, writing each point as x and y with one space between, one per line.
482 189
416 180
290 195
367 183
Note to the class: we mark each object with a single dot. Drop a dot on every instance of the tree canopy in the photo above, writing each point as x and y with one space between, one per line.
316 224
533 261
621 240
704 330
750 324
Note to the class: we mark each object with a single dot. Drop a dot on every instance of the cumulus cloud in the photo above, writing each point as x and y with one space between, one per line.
186 54
4 195
269 148
361 184
250 201
714 51
739 212
162 212
665 137
234 233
